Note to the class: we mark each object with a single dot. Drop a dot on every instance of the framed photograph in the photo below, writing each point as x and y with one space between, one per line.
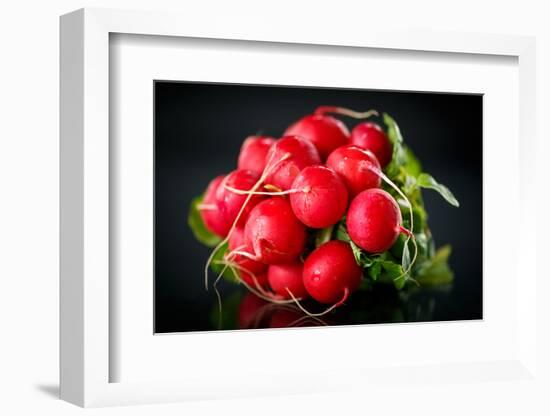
237 209
185 165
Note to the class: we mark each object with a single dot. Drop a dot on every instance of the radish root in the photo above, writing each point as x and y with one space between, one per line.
228 262
267 170
207 207
270 193
261 294
246 254
330 308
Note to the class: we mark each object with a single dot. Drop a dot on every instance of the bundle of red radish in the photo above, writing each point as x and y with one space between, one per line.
322 212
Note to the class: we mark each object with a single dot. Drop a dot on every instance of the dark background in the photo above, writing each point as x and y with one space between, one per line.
199 129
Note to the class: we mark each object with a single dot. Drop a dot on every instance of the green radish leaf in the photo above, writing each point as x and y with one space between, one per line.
427 181
375 270
391 269
413 166
360 256
422 242
341 232
394 272
442 255
218 265
403 162
398 154
410 184
436 276
196 224
324 235
436 271
419 215
394 134
400 283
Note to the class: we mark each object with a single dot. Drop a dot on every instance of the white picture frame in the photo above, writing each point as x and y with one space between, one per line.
86 304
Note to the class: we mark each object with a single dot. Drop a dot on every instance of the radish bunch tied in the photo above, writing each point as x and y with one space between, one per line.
321 213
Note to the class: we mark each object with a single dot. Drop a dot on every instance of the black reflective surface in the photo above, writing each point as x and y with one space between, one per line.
382 304
198 132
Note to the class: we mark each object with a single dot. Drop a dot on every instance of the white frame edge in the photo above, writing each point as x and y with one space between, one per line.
84 159
71 209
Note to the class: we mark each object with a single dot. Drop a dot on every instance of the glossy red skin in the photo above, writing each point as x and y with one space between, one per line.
253 153
213 219
356 166
329 270
302 154
373 220
323 197
249 308
259 270
283 276
230 203
370 136
274 232
325 132
250 280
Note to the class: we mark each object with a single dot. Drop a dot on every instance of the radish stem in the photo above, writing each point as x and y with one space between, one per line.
345 112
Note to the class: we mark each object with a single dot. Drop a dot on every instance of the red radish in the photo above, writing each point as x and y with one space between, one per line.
287 157
250 309
230 202
319 197
287 277
253 153
274 232
325 132
252 272
238 193
331 273
358 168
374 220
370 136
210 212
